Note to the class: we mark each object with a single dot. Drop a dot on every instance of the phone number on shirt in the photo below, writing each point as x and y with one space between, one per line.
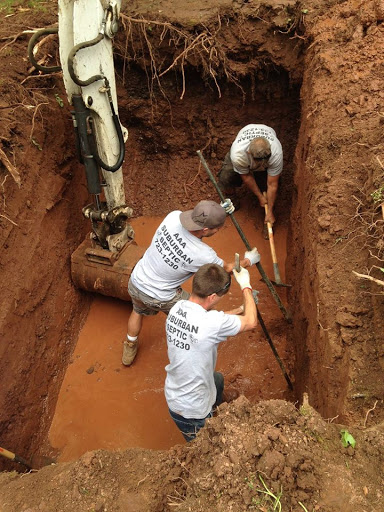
166 257
178 343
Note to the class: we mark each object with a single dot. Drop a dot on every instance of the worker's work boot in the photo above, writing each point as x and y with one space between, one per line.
129 352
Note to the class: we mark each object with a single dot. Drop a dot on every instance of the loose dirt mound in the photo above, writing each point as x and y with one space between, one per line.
265 457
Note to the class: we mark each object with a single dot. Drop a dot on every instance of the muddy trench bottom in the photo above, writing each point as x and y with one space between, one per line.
104 405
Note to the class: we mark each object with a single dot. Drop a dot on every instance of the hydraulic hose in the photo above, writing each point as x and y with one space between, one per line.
120 159
71 57
115 119
31 45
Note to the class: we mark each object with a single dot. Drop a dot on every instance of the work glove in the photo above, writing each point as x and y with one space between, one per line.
242 278
253 256
255 294
228 206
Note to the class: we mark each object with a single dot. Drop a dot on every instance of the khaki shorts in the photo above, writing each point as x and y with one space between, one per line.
229 178
143 304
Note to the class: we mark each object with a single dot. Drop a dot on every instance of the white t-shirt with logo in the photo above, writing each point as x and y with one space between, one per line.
173 256
193 335
243 162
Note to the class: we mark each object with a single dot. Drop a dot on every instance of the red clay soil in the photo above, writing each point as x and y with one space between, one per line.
313 71
245 452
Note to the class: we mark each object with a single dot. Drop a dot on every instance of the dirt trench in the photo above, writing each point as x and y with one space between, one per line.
275 65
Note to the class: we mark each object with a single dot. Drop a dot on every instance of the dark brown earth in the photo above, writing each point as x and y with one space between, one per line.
314 71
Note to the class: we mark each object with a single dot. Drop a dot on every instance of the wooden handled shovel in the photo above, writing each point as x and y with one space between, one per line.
36 462
276 271
14 458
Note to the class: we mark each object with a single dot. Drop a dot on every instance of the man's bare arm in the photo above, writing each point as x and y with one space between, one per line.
272 186
250 182
236 311
249 318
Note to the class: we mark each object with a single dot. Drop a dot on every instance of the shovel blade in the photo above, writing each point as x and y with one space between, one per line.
40 461
278 281
275 283
281 284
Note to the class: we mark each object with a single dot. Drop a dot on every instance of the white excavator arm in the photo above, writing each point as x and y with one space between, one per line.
81 22
86 29
104 261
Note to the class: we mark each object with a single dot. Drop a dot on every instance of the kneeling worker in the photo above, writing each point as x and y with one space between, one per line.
194 330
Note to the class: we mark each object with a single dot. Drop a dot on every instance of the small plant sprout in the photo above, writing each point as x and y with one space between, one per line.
59 100
378 195
275 500
347 439
303 507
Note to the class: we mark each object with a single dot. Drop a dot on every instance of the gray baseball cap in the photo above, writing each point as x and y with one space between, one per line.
206 214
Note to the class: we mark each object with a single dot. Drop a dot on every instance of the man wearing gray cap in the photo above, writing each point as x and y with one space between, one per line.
175 254
255 159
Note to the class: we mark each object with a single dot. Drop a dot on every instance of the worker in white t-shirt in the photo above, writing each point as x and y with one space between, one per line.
194 330
255 159
175 254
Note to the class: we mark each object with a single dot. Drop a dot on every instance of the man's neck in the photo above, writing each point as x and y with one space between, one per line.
198 234
203 302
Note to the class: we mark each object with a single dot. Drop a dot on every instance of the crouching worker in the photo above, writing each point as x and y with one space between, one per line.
194 330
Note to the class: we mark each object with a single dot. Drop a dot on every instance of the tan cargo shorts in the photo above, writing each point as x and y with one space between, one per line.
143 304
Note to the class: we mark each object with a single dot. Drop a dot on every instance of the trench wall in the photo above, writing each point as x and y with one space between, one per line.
338 336
40 312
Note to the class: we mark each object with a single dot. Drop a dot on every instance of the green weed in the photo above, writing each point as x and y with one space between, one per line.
265 498
304 410
6 6
347 439
10 6
59 100
378 195
303 507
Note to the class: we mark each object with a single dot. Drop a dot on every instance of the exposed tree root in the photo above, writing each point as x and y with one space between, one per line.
146 41
13 38
369 278
10 167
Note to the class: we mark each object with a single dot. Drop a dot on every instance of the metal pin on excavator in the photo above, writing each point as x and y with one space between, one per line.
104 261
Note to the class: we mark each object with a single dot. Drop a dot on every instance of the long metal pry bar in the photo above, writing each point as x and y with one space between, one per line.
264 276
